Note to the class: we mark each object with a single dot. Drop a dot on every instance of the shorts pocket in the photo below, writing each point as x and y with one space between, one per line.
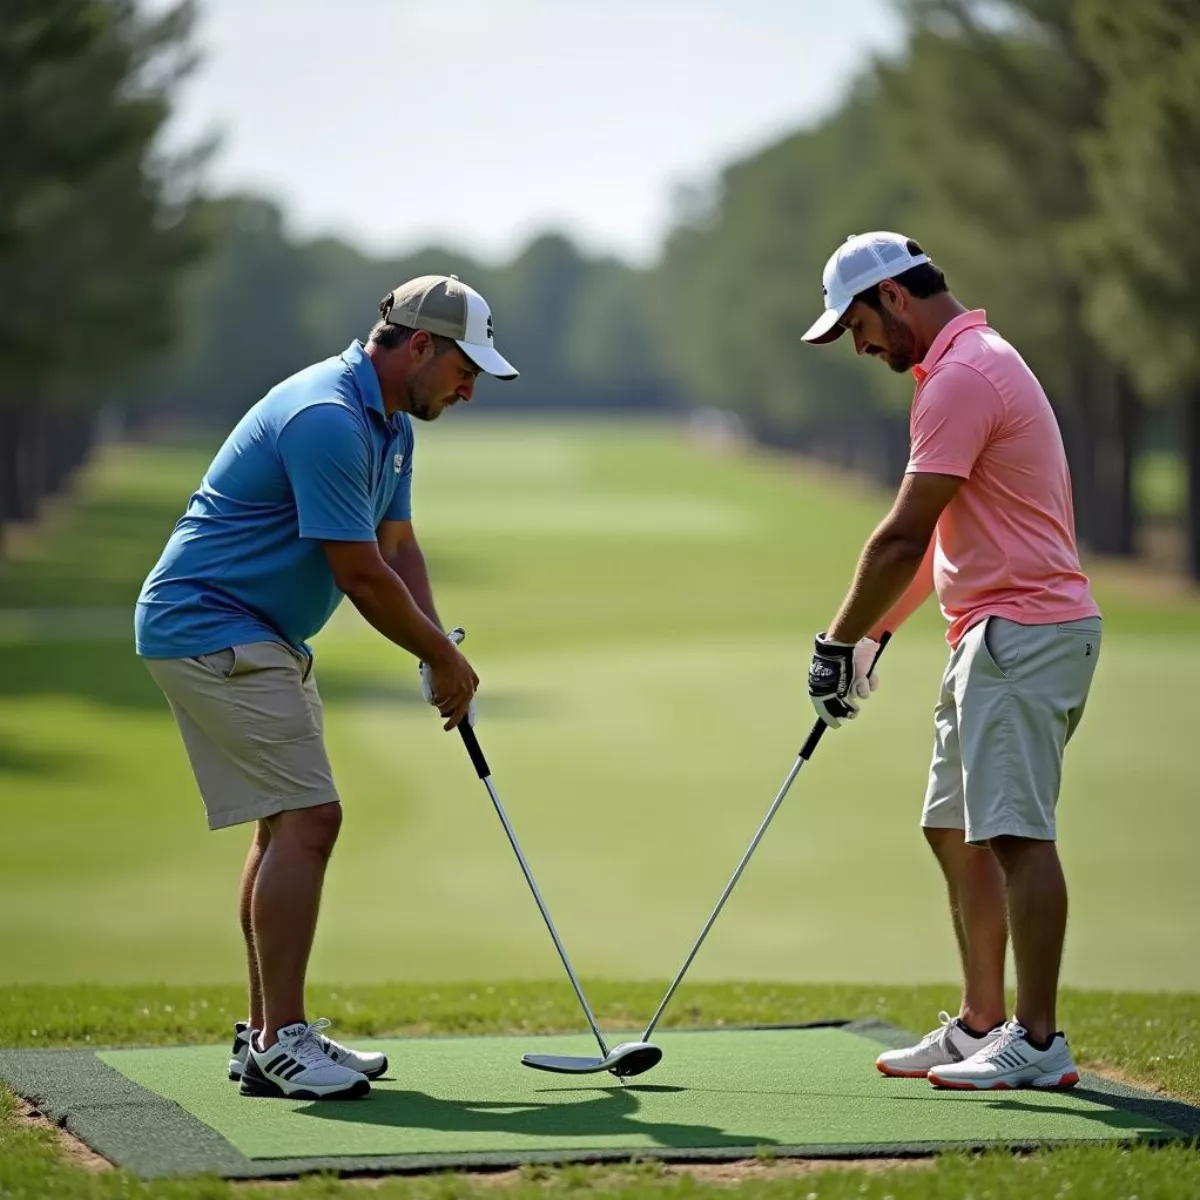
1000 643
221 663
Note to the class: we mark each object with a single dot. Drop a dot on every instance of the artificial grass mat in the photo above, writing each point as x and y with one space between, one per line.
461 1102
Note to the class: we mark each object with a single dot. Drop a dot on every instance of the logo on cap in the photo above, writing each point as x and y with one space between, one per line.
489 327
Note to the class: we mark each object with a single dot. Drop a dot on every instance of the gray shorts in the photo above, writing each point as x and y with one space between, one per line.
253 726
1012 697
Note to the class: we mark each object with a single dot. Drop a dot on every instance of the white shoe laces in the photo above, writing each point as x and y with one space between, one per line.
306 1047
1009 1032
939 1035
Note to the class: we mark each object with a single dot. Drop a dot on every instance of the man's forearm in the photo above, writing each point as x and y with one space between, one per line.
913 596
886 569
409 563
385 601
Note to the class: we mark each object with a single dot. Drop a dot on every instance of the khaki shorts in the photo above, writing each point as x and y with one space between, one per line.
253 726
1012 697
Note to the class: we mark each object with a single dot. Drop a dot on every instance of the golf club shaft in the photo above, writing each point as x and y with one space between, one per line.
806 752
716 912
484 772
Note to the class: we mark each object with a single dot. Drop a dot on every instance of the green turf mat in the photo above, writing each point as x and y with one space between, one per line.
468 1101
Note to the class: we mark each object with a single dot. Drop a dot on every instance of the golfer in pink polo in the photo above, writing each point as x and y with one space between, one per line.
984 519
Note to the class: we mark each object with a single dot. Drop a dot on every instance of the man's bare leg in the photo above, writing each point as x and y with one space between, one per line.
284 904
975 885
1037 907
258 847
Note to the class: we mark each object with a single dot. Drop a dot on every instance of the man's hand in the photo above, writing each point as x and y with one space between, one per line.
450 684
839 676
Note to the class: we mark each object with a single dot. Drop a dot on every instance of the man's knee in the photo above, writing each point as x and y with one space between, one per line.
945 843
1015 852
312 829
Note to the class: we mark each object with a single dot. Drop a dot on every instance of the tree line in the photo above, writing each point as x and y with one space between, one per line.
1045 152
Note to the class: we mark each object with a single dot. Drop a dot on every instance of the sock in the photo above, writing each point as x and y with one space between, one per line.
975 1033
1042 1047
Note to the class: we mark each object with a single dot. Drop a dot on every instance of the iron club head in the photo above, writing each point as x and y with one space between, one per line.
629 1058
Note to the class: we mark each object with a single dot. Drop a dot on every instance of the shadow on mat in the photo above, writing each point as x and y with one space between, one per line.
1117 1110
610 1114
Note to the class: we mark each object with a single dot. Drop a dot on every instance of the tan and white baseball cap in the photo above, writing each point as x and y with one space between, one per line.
444 305
860 262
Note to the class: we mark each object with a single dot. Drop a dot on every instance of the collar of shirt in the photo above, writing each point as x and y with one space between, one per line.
968 320
362 370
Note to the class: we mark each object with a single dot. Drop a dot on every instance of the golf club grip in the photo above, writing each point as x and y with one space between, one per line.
473 749
818 730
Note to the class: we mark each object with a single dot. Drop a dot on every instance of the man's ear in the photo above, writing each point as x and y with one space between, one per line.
420 345
893 296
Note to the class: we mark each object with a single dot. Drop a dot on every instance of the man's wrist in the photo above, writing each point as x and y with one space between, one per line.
834 642
440 648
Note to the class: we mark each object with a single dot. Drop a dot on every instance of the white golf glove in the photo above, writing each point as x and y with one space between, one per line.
456 636
865 680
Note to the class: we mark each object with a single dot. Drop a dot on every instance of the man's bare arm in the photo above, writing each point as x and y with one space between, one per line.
894 554
400 550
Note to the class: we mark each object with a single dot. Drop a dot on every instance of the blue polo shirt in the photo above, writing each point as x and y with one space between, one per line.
317 459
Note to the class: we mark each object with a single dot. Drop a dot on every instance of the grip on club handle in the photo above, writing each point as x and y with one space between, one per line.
818 730
474 750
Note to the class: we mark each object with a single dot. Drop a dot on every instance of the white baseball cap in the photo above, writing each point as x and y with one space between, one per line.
444 305
860 262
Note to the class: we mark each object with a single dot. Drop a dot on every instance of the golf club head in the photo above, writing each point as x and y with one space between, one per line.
632 1058
629 1058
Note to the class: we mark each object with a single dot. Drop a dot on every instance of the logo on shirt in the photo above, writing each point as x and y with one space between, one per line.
398 463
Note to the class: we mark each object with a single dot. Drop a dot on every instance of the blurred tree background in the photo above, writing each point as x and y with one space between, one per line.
1045 152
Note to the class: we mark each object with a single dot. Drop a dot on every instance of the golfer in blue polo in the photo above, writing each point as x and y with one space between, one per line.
306 502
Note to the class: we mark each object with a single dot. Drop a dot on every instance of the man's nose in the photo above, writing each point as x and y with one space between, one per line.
466 390
860 343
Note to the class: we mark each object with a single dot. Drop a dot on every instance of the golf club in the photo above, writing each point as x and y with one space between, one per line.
806 752
629 1058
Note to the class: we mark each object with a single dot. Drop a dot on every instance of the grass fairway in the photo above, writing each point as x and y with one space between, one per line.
640 613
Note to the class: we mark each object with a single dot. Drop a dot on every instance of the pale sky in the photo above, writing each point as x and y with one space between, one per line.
479 123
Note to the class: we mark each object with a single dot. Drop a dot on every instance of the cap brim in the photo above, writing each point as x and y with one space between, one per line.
825 328
489 360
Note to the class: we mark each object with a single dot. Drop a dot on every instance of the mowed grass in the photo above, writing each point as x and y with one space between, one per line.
640 612
1153 1037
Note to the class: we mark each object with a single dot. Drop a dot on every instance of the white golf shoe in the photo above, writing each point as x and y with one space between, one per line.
242 1033
365 1062
949 1043
1011 1061
297 1068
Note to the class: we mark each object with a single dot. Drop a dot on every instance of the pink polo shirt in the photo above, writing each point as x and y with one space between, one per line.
1006 542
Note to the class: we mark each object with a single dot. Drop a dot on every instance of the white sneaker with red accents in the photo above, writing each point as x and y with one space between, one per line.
1011 1061
949 1043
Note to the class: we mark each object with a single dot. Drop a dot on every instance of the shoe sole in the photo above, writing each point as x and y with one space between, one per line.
266 1089
1049 1083
896 1073
236 1069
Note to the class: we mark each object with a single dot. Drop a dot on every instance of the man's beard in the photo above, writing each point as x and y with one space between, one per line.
424 411
422 406
902 346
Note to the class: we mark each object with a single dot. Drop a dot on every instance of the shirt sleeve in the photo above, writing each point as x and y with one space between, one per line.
400 508
326 457
954 417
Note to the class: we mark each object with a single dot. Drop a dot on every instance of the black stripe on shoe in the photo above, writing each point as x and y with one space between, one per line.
291 1070
255 1083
